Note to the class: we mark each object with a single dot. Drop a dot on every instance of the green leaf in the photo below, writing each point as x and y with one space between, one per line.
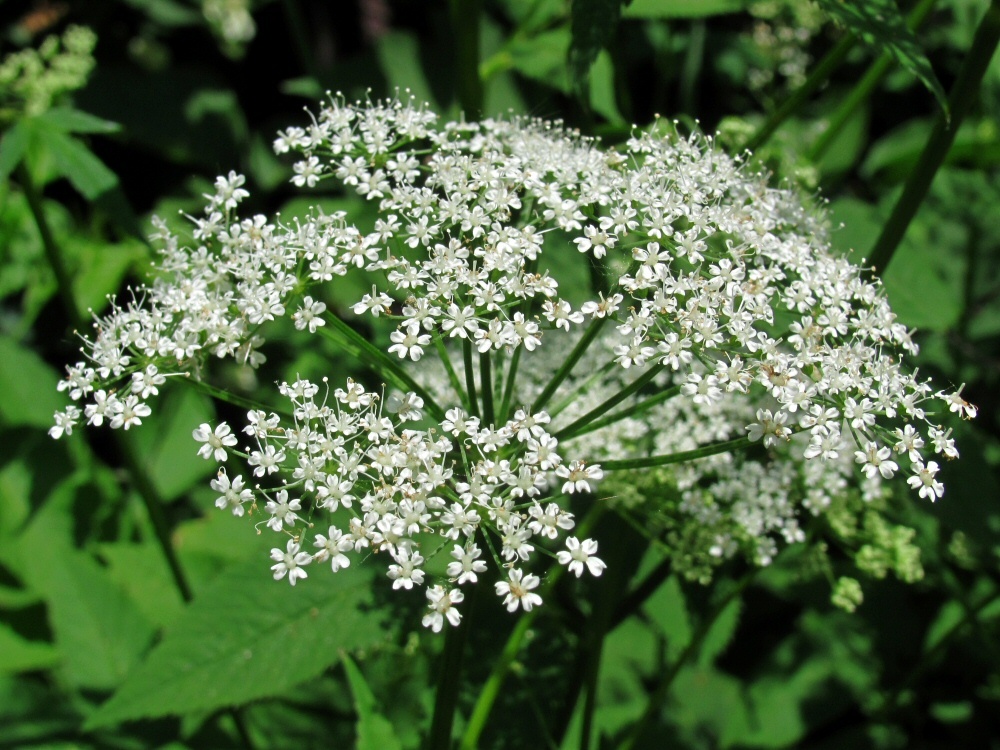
20 655
75 162
28 386
12 147
650 9
720 635
399 58
592 25
248 637
69 120
99 632
100 268
164 440
375 732
880 24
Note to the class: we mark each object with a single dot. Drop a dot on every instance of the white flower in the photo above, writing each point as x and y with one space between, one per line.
410 344
581 554
924 482
876 460
517 591
215 443
234 494
332 547
290 562
467 566
441 604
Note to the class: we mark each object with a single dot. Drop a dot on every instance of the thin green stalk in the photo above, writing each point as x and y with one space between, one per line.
660 693
501 667
630 411
232 398
819 75
450 370
486 386
508 391
960 103
379 361
863 89
676 458
470 378
449 680
49 246
581 387
609 404
567 367
465 16
300 38
691 70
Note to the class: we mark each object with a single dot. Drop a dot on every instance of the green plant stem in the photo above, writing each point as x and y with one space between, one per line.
383 365
501 667
232 398
52 254
864 88
819 75
300 38
508 392
449 680
450 370
631 411
567 367
676 458
486 386
663 687
960 103
575 428
465 15
470 378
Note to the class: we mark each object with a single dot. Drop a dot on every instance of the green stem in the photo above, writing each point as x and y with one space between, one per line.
864 88
49 246
823 70
232 398
660 693
465 15
450 370
563 372
379 361
676 458
636 385
630 411
470 378
501 667
486 386
508 392
960 103
448 682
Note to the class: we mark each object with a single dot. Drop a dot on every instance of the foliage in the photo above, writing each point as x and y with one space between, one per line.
134 614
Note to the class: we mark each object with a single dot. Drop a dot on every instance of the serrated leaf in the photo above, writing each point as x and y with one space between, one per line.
683 9
77 163
592 26
69 120
880 24
247 637
28 386
375 732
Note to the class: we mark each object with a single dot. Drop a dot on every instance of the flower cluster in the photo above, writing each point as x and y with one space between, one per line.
720 319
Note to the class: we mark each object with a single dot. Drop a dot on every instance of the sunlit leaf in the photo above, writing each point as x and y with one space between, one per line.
682 9
28 386
248 637
592 26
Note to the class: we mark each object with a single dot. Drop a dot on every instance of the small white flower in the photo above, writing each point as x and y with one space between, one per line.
290 562
581 554
517 591
441 604
215 443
